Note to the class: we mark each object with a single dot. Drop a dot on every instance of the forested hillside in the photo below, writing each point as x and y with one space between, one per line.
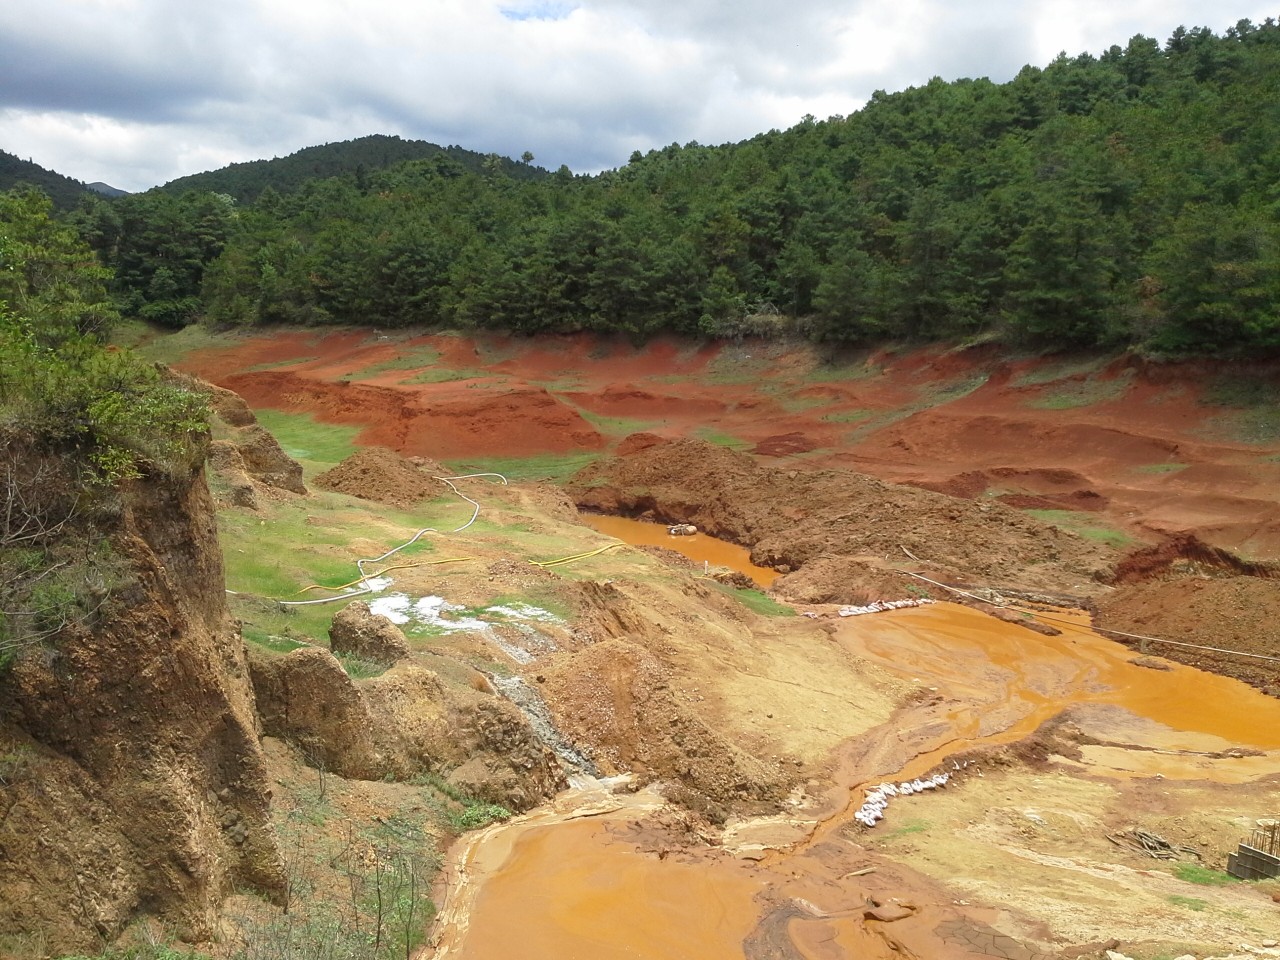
63 191
358 158
1116 199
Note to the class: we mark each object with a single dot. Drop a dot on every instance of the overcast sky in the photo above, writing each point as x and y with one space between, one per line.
138 92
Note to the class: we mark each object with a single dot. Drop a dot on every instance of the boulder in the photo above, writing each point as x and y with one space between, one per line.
306 698
360 633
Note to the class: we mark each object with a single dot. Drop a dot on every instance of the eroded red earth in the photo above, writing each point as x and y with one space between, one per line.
1121 444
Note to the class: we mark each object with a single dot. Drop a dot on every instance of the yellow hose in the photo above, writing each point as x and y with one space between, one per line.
580 556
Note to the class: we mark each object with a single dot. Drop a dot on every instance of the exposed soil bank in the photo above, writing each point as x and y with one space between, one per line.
793 517
1118 445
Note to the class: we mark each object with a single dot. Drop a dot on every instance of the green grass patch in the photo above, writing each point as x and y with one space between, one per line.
1205 877
278 553
936 394
556 467
720 438
360 669
278 364
844 368
445 375
273 555
280 629
416 358
1084 393
565 384
907 829
1081 525
1161 468
174 347
616 426
270 641
793 404
1240 392
132 334
317 446
1056 370
456 809
756 600
1191 903
736 366
847 416
1257 425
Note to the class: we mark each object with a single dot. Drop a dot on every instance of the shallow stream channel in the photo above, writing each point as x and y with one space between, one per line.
582 878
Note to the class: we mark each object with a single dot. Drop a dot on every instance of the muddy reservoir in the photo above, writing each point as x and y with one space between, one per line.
698 547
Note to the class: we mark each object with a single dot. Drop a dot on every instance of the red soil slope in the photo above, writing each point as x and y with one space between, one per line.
1117 444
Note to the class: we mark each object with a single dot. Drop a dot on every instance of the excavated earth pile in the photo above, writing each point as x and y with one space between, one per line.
792 518
381 475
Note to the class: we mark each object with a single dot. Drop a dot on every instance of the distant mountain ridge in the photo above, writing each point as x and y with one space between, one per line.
64 191
106 189
245 181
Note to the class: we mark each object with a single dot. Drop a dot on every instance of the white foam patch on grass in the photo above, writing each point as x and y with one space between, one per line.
427 611
437 613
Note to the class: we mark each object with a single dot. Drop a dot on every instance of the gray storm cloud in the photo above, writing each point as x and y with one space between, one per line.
137 92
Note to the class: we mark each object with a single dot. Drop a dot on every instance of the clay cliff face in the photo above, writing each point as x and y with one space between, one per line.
132 781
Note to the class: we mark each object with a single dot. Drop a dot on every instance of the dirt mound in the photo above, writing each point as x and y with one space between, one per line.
844 580
229 407
265 460
479 741
792 517
381 475
236 487
363 634
306 698
1187 554
615 695
401 724
246 452
1233 613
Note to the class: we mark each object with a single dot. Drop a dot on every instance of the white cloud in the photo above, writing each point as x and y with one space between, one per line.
137 92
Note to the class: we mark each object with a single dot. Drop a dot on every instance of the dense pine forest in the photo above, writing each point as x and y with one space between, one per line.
1130 198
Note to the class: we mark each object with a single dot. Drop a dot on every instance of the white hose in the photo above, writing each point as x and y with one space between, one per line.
412 540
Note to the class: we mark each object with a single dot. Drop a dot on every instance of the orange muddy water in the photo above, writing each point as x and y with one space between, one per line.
586 889
699 547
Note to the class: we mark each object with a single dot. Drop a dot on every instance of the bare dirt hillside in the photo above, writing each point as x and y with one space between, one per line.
529 650
1115 446
1125 453
793 517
